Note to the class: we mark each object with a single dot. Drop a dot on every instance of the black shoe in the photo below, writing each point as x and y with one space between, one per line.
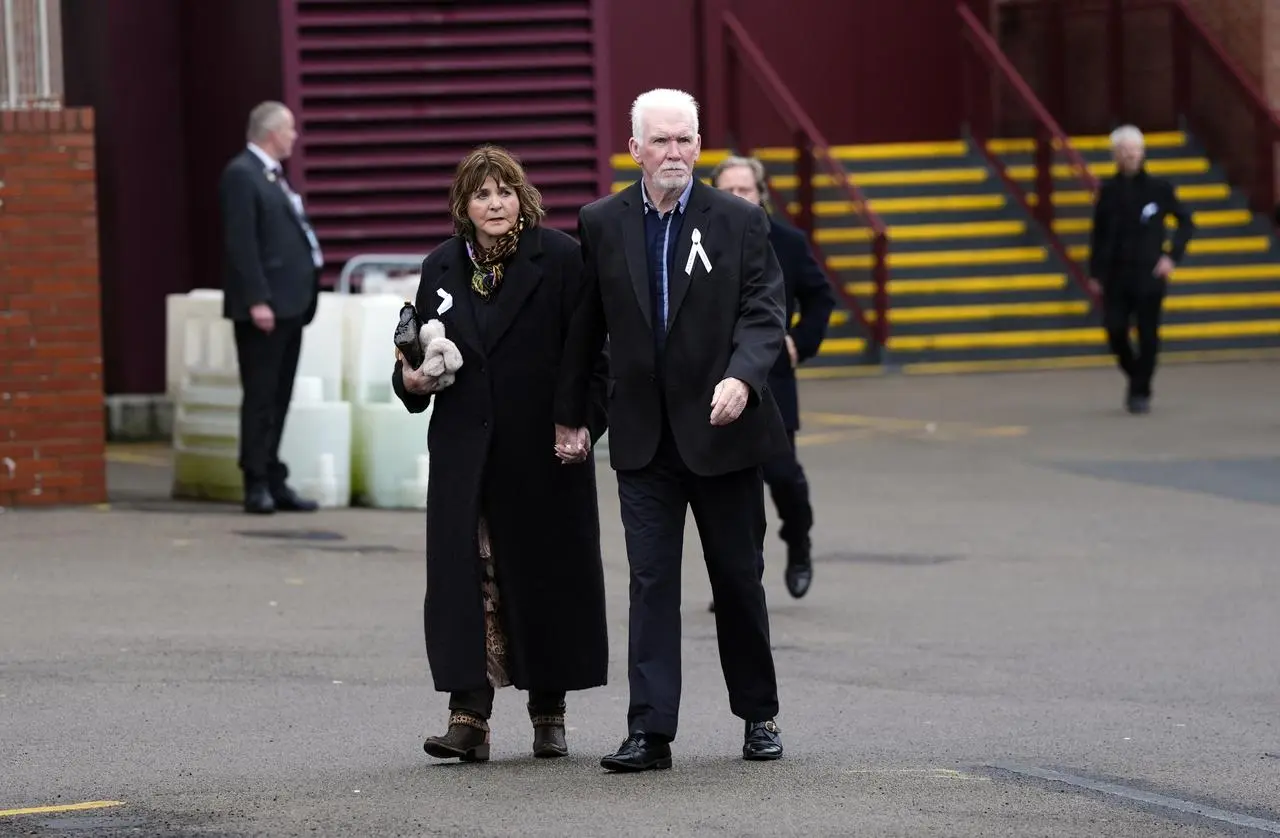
763 741
287 500
1138 404
799 574
258 501
639 752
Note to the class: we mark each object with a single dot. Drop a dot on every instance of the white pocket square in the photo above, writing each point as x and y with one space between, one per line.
446 301
1149 210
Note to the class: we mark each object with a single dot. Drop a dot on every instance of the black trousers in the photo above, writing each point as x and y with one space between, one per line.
268 364
1122 309
729 512
790 490
480 702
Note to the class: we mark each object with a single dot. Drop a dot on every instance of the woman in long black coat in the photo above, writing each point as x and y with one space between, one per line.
515 587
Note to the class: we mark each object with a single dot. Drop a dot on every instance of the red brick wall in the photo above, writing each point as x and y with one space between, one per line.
51 400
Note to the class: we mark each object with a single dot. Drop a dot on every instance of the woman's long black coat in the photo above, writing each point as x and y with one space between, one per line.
491 443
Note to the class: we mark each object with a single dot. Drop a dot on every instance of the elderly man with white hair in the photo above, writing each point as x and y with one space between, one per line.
1128 263
681 279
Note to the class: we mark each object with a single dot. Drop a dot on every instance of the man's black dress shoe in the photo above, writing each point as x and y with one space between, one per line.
639 752
258 501
763 741
287 500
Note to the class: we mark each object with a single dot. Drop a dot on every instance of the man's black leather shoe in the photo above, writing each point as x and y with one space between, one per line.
257 501
287 500
763 741
639 752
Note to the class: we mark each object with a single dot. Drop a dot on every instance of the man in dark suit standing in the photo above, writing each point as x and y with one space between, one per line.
809 295
1127 261
681 280
271 273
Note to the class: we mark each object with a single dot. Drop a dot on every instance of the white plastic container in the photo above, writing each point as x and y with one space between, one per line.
316 445
389 454
368 353
323 346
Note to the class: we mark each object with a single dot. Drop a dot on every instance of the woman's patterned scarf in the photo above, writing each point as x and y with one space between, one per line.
487 265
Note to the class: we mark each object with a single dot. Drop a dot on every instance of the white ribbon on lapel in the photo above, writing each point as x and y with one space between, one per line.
446 301
696 252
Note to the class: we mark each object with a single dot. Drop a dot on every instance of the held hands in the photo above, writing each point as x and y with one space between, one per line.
572 444
1163 268
728 401
791 351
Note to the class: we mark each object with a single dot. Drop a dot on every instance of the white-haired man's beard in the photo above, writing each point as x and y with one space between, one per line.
671 178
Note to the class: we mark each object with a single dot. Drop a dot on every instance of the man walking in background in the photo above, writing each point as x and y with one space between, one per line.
1127 261
271 274
808 294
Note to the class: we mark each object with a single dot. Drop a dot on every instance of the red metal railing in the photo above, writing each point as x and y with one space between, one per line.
990 84
1179 75
1202 73
811 153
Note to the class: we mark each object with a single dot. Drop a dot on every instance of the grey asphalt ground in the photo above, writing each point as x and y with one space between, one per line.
1014 577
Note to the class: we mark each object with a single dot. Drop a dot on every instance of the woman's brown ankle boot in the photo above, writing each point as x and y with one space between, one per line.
548 734
467 739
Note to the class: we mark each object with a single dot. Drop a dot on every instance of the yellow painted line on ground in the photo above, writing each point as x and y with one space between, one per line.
1107 168
1233 244
991 311
842 371
69 807
1090 142
1205 356
941 258
1206 218
896 424
806 439
964 285
924 232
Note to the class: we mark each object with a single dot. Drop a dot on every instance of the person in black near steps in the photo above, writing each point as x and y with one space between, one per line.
1128 264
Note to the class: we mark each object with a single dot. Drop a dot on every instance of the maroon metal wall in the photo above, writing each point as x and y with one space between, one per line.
171 85
865 70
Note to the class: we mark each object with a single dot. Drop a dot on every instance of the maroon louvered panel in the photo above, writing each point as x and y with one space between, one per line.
391 94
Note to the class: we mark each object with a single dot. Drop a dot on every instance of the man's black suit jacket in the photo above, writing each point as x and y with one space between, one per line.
266 255
1128 234
728 322
809 294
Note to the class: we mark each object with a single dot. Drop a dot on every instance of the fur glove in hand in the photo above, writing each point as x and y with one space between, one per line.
442 358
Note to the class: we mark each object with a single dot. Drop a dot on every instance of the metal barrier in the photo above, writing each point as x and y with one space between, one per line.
410 261
31 53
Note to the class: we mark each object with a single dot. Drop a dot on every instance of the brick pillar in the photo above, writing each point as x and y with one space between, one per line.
51 398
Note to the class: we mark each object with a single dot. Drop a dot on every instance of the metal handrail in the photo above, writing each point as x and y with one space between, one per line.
375 260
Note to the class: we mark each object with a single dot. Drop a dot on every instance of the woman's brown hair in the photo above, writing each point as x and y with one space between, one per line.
500 164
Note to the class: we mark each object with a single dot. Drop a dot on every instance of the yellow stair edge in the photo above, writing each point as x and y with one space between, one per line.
924 203
1203 218
944 258
924 232
1227 244
962 285
1089 142
1107 168
1083 336
986 311
1185 192
1014 365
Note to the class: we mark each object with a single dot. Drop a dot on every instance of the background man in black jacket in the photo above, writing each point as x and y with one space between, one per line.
681 279
271 275
1127 259
808 294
